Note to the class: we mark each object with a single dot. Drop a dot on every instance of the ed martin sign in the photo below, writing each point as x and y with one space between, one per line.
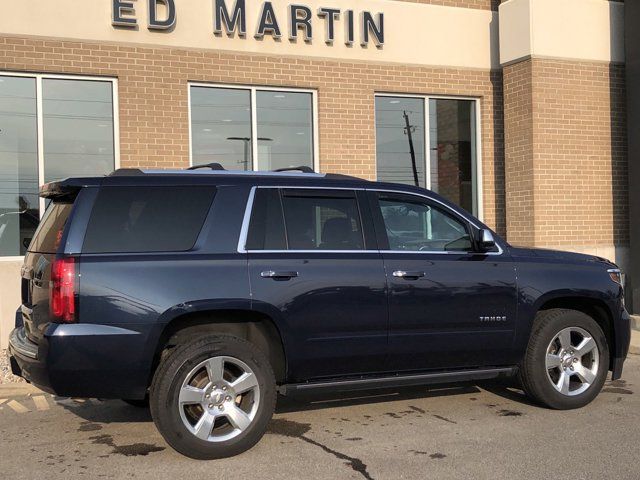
230 18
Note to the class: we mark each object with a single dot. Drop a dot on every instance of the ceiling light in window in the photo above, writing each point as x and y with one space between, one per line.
227 120
103 125
206 129
299 133
279 95
394 101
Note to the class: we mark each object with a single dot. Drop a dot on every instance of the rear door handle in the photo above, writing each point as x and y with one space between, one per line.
407 274
278 275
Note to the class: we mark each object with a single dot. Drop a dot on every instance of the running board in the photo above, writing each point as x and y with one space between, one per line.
373 383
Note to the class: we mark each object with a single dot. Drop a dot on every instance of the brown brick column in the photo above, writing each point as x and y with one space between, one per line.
565 156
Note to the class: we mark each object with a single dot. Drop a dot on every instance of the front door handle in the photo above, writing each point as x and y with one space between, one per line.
278 275
408 275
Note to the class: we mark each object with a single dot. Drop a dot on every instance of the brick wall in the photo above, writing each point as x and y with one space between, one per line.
154 112
580 153
518 121
566 168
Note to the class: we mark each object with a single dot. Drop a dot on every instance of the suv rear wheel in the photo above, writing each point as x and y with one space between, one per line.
213 396
567 359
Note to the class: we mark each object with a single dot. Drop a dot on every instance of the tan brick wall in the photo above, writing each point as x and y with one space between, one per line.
566 153
518 121
154 112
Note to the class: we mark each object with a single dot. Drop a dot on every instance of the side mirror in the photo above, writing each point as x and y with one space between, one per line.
486 240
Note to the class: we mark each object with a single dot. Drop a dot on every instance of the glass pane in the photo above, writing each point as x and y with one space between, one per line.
221 127
285 130
18 164
49 234
452 134
266 230
395 162
323 223
153 219
78 128
412 225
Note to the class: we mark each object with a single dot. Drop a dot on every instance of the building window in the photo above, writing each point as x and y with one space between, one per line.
249 128
51 127
430 142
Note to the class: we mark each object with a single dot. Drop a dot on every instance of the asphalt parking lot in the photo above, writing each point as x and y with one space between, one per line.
468 431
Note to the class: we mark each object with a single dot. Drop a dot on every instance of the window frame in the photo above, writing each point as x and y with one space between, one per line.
39 78
246 221
367 213
476 167
430 203
253 89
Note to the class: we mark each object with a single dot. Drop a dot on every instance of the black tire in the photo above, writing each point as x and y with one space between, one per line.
533 371
173 370
144 403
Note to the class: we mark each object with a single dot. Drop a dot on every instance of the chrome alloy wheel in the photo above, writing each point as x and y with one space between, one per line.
572 361
219 399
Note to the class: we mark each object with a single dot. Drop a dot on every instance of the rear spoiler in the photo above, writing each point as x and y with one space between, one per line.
67 188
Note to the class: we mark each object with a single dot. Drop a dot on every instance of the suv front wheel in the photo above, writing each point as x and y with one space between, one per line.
213 396
567 359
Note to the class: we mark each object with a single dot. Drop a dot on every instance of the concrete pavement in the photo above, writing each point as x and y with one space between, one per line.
466 431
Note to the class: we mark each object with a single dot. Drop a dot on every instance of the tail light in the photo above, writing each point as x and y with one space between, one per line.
62 301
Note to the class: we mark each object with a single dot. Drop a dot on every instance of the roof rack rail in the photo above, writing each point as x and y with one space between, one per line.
302 168
212 166
126 172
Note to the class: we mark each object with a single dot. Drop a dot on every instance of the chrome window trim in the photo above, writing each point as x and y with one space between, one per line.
244 230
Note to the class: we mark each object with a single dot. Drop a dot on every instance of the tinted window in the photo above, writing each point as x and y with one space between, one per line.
78 128
19 214
149 219
414 225
266 230
322 221
49 233
285 133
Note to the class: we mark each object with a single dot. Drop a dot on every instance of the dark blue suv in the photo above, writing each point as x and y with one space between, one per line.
208 292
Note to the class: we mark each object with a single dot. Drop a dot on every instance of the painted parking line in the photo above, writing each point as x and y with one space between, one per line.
2 400
17 407
41 402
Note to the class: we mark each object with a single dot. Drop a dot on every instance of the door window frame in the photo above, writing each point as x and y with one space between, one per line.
253 107
476 166
368 215
39 78
246 221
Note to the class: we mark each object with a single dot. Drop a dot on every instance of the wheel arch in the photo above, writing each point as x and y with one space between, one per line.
595 308
255 327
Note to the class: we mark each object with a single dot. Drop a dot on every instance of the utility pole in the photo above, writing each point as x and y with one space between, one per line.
409 129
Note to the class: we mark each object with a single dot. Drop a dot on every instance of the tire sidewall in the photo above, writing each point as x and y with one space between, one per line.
545 390
165 393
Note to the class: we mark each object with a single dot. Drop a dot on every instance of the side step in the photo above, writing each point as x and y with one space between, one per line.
373 383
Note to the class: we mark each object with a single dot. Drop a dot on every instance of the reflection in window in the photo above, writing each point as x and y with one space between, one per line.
221 127
452 135
18 164
78 125
284 129
394 140
78 128
400 125
415 226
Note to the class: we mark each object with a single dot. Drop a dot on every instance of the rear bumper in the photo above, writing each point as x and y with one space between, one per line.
83 360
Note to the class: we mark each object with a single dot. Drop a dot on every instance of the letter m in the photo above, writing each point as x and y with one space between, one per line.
238 19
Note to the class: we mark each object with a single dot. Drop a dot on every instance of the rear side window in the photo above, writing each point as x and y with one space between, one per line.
305 219
147 219
49 233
